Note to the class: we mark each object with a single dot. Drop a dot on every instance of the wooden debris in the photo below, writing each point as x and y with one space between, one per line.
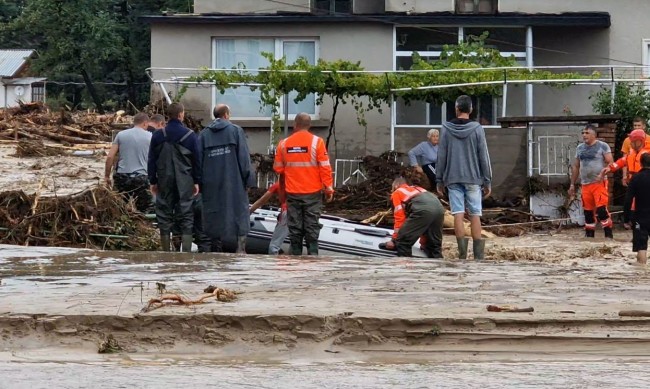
634 313
508 308
109 345
166 299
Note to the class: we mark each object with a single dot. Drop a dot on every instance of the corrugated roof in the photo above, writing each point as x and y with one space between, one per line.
12 60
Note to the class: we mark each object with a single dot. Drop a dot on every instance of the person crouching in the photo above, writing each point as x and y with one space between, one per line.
417 212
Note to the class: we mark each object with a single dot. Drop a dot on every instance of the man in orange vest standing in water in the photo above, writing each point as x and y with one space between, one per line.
303 159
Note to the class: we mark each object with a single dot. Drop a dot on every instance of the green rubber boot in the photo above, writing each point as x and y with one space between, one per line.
165 240
479 249
462 247
186 243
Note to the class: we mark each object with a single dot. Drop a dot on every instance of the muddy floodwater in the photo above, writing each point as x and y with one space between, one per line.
348 376
329 322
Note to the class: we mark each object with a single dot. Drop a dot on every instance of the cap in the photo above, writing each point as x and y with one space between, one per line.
637 135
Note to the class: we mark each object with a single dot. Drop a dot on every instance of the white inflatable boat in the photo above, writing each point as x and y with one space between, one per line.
338 236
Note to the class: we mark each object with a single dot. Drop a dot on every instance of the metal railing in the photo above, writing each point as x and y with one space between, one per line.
554 154
348 172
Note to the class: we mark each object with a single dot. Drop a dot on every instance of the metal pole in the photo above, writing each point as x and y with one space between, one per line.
167 98
529 63
393 120
613 91
286 115
504 102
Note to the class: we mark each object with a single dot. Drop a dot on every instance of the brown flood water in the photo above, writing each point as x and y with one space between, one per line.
315 323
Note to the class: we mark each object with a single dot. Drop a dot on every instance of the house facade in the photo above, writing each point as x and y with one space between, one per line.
15 86
383 35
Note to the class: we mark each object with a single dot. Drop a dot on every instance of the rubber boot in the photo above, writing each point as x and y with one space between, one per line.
165 241
462 247
608 232
296 249
312 248
590 233
186 243
479 249
241 245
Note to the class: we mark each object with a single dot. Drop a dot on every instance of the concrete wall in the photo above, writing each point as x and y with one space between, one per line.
190 46
419 6
9 99
250 6
368 6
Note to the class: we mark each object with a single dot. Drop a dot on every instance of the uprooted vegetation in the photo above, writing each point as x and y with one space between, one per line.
94 218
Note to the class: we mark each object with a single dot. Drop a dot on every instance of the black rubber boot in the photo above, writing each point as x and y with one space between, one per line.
186 245
608 232
296 249
479 249
165 241
590 233
462 247
312 248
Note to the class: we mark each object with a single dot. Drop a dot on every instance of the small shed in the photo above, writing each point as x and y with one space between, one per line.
15 84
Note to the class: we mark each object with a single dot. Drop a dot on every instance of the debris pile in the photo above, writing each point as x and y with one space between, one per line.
94 218
34 121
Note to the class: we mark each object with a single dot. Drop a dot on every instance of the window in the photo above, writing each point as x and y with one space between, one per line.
247 53
428 42
332 6
38 93
476 6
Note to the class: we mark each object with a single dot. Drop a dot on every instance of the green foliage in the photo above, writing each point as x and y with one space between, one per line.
103 37
630 101
465 63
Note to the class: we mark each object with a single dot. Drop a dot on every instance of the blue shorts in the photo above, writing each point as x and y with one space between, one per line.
465 195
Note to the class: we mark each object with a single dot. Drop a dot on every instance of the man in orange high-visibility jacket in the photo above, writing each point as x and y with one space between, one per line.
303 159
416 212
637 124
632 160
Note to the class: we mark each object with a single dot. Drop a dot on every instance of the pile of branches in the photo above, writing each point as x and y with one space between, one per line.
34 121
373 194
94 218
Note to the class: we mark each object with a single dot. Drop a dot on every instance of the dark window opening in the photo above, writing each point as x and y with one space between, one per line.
332 6
477 6
38 93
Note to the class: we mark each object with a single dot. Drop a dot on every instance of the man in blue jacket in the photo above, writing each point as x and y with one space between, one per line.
464 168
227 175
174 175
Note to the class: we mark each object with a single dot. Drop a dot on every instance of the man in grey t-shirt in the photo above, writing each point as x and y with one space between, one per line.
132 150
592 156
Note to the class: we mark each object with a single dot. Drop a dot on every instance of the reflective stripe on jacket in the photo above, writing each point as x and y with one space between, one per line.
399 198
303 160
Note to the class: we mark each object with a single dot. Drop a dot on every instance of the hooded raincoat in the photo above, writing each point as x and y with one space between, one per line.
227 174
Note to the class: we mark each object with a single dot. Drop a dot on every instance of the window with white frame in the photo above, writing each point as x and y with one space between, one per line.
428 42
477 6
247 53
646 57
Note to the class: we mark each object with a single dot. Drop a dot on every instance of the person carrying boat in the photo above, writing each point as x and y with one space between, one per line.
131 148
281 228
227 175
417 212
592 157
425 155
174 175
303 159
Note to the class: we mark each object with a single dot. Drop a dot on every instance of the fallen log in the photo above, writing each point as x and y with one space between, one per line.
79 132
634 313
449 223
63 138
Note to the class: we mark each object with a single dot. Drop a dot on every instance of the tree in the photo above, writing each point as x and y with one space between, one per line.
630 101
